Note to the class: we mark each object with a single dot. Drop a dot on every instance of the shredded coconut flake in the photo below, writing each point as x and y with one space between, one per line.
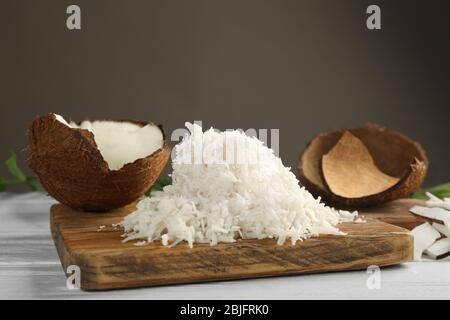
217 200
360 220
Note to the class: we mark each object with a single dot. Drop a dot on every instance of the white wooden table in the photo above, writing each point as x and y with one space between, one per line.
30 269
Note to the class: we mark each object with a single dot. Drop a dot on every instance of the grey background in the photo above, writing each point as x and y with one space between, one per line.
301 66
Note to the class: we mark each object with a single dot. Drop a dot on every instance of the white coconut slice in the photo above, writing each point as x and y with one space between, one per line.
443 229
121 143
432 197
437 214
437 202
439 250
424 236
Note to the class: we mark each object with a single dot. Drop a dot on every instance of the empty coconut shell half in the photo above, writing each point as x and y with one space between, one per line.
362 167
98 165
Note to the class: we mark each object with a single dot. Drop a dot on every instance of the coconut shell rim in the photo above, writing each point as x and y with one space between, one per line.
165 147
416 172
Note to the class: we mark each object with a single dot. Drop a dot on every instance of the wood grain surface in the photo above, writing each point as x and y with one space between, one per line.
397 213
106 263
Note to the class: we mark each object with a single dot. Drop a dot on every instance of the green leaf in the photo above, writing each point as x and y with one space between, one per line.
34 184
440 191
159 185
164 181
11 165
419 195
153 188
19 176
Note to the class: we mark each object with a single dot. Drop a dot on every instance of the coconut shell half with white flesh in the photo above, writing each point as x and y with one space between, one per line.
362 167
99 165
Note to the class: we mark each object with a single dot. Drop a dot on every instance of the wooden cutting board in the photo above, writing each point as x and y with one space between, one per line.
107 263
397 213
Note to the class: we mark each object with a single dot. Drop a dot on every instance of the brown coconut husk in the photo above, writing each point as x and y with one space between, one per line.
393 154
72 170
349 170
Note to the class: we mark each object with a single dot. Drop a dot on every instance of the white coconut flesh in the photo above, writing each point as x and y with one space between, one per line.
121 143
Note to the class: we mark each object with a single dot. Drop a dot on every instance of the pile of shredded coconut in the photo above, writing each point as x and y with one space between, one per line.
227 185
